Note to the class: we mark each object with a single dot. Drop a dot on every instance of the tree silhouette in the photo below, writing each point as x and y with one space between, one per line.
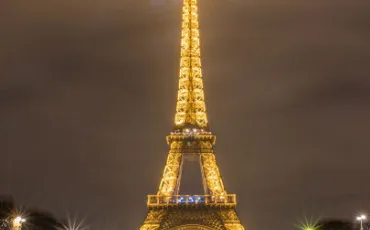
6 210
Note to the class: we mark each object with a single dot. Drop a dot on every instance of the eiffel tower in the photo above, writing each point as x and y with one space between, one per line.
191 138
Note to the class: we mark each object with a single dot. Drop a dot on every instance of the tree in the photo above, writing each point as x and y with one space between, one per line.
335 225
6 211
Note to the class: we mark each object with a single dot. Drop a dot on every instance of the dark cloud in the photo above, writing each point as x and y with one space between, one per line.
87 95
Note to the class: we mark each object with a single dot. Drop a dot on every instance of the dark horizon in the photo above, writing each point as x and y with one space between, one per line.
88 93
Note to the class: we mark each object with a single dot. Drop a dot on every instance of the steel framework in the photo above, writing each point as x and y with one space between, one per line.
190 107
168 209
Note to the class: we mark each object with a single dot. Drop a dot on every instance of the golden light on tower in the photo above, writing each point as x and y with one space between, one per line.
190 108
191 138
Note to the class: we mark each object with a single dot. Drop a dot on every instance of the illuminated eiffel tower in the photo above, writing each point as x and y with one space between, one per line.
191 138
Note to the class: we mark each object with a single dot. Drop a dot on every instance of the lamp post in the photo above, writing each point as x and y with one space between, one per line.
17 223
361 218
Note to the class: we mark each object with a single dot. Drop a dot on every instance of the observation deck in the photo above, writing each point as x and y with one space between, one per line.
191 134
191 200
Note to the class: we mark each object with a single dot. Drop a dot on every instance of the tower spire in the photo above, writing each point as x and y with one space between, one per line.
190 108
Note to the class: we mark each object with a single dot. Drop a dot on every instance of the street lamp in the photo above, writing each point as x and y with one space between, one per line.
361 218
17 223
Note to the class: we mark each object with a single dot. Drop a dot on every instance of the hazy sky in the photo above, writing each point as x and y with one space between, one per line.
88 91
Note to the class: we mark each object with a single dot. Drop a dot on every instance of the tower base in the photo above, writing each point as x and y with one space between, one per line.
199 217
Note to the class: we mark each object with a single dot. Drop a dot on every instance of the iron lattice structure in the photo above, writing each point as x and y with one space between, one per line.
190 108
168 209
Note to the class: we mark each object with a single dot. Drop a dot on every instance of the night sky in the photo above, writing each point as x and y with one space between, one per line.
88 92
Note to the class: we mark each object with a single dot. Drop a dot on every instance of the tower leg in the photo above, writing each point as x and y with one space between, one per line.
153 219
212 174
170 175
231 220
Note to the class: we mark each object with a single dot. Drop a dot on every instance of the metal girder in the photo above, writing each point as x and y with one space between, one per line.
167 209
212 174
191 108
170 174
